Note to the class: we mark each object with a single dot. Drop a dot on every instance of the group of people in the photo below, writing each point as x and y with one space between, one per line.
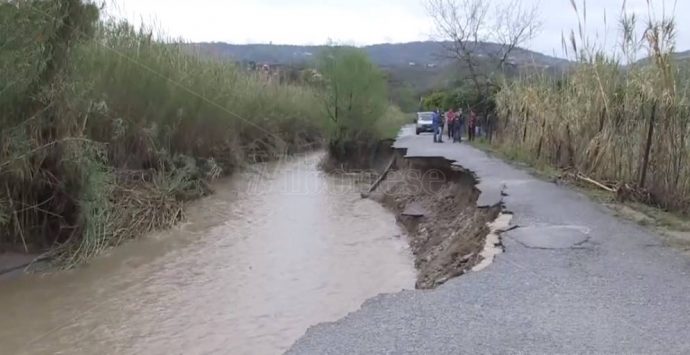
454 122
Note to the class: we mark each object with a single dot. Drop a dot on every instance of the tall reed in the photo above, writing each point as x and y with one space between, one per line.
624 124
105 131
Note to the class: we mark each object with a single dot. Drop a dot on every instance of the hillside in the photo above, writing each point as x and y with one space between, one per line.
385 55
683 55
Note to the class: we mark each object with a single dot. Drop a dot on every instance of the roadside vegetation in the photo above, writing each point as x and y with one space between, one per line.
106 131
614 121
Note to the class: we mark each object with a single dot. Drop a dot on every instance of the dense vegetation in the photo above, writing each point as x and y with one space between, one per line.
624 125
355 96
105 132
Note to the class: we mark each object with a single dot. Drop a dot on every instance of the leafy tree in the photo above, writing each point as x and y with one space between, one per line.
434 101
354 94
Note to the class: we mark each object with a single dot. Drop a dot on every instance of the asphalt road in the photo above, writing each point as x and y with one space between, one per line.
573 279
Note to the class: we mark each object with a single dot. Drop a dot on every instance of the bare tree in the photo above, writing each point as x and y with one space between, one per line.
475 33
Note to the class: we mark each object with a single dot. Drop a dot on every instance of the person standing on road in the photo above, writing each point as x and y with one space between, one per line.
459 125
437 126
444 122
472 126
451 118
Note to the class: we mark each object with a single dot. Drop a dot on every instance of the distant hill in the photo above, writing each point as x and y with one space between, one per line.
683 55
679 56
425 54
412 69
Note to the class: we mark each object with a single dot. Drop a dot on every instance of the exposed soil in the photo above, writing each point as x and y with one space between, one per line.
436 204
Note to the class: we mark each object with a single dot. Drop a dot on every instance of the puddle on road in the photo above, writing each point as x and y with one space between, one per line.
270 254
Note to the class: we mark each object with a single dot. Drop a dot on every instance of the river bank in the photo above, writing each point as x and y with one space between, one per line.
437 206
435 202
277 248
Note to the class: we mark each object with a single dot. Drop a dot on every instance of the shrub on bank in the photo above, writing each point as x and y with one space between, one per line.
355 101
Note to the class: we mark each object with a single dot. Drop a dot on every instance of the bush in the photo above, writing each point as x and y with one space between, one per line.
355 101
435 101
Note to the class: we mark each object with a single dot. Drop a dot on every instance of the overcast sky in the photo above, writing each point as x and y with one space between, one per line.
360 22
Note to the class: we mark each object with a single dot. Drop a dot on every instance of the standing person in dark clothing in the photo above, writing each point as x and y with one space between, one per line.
451 120
437 126
472 125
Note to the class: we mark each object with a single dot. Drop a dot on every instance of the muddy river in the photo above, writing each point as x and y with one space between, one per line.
274 251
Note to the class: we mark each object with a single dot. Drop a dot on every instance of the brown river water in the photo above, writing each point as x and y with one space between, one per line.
273 252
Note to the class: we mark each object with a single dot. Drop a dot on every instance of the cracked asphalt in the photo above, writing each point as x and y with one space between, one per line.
573 279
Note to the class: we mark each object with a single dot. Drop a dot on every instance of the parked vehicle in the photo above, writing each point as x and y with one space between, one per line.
424 122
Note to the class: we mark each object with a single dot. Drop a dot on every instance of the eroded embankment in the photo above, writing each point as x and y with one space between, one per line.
436 203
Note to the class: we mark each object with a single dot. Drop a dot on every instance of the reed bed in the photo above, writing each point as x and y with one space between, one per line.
106 131
624 125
